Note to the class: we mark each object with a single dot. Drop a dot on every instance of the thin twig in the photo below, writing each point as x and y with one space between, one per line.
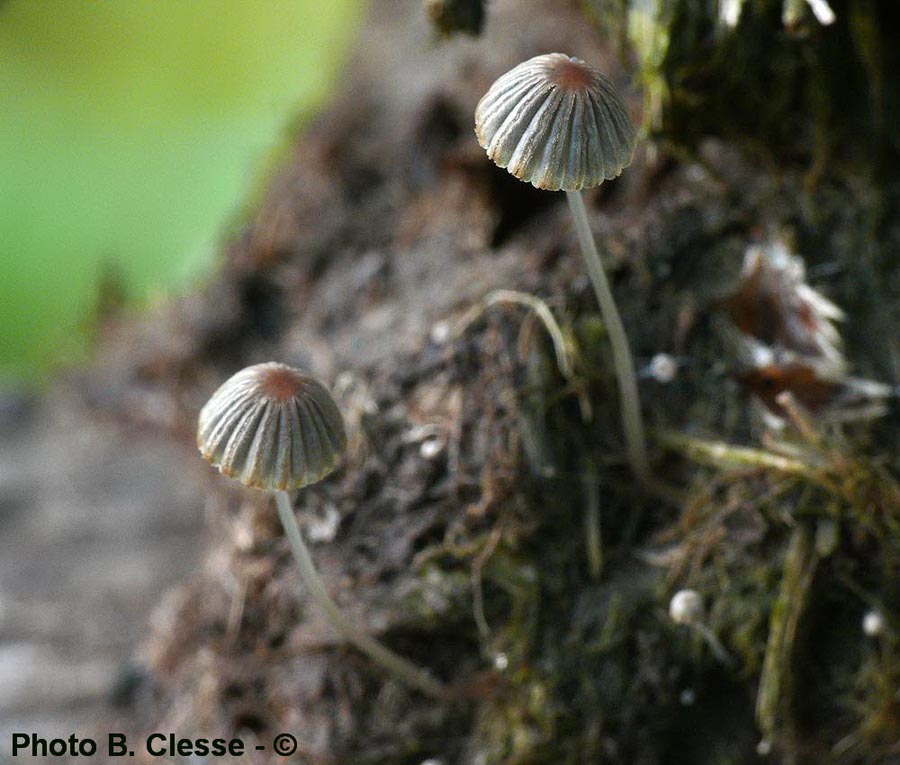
478 565
542 311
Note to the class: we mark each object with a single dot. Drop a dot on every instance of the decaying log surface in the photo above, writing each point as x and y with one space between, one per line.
455 530
97 521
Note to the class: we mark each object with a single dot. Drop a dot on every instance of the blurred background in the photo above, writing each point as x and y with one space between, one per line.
133 133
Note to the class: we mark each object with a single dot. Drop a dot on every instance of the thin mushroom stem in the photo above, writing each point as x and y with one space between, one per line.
592 520
715 645
630 404
414 676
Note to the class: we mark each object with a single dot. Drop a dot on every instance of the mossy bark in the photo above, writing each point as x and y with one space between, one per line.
778 82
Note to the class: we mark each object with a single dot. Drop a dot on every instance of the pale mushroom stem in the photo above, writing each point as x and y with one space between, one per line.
715 645
629 404
406 671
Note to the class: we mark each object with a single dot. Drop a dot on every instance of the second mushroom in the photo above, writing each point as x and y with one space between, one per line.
274 428
559 124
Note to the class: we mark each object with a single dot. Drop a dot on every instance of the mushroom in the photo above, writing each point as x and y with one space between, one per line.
556 122
272 427
686 608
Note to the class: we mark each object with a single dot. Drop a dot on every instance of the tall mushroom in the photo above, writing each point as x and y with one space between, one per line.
559 124
271 427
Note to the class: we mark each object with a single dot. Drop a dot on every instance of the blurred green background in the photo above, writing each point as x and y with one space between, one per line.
132 132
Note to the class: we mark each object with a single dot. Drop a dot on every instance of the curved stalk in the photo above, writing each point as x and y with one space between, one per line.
406 671
629 401
593 530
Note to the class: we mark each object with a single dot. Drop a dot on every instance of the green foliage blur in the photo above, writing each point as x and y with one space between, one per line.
131 132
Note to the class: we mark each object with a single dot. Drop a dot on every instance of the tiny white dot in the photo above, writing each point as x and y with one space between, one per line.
663 368
431 448
873 624
440 333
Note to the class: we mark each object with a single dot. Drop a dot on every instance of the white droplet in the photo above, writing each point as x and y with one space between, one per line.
323 528
822 11
730 12
431 448
501 662
663 368
440 333
873 624
243 535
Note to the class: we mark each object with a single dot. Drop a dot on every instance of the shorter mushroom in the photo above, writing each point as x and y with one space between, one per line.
686 608
271 427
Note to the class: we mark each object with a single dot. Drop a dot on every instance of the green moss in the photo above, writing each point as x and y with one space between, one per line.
783 91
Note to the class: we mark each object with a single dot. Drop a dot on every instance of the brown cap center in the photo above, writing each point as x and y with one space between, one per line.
281 384
570 75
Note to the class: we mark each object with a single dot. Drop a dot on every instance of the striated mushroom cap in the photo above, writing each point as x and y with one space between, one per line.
272 427
557 123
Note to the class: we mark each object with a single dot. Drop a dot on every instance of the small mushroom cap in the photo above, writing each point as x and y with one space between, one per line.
557 123
686 607
873 624
272 427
